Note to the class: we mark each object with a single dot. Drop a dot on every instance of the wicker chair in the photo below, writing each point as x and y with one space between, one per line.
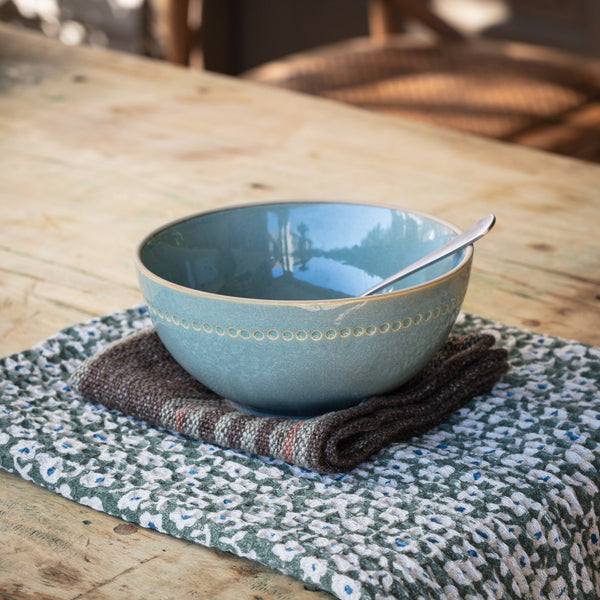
536 96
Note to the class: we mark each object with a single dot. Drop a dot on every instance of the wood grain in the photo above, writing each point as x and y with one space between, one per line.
98 148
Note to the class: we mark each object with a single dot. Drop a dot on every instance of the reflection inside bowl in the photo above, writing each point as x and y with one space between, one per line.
308 251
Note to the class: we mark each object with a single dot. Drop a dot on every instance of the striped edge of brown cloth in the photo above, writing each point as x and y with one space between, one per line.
137 376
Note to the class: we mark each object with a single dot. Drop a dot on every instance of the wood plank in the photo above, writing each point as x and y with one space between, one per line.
138 143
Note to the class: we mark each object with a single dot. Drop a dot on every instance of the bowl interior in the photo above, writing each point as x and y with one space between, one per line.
296 250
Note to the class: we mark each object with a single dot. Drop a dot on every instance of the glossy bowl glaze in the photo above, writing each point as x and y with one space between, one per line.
258 302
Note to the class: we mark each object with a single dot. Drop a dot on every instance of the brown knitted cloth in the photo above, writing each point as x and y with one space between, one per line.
138 376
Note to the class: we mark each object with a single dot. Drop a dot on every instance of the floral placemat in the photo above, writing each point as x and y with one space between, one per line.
501 501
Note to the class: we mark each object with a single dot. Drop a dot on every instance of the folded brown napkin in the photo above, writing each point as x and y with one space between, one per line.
138 376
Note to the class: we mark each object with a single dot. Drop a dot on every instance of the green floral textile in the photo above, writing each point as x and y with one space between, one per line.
499 502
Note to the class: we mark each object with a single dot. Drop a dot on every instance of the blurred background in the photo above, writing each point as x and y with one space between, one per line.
522 71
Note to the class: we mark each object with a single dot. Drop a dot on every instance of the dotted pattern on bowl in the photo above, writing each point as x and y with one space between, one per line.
302 335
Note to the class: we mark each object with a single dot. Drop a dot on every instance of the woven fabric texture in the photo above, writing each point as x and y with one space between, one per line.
500 501
475 88
138 376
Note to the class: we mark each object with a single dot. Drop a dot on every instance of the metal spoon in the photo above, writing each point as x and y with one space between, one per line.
466 238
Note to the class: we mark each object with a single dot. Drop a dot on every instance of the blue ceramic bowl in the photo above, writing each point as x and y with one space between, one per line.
258 302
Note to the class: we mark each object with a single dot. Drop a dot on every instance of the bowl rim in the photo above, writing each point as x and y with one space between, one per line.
146 272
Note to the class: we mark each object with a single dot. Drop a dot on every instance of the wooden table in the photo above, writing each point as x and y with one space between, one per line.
98 148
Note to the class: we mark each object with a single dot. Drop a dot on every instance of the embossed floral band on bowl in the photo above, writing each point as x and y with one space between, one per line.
259 302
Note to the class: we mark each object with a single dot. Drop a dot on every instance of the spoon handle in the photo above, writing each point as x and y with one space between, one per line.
466 238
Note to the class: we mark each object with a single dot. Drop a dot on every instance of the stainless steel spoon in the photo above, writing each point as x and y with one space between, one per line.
466 238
